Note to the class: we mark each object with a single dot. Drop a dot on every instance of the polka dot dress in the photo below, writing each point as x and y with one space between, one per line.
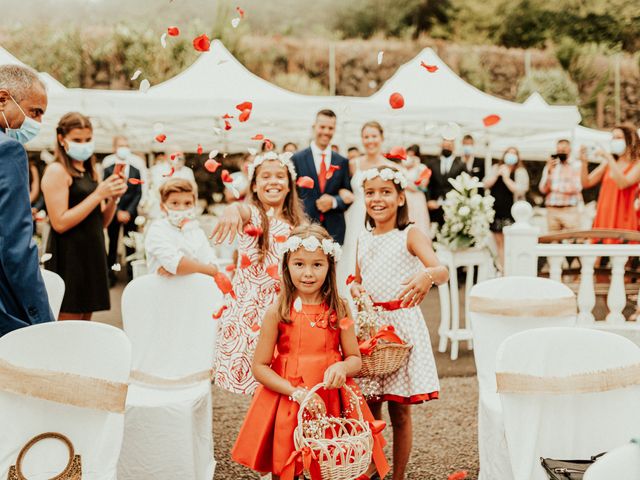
385 263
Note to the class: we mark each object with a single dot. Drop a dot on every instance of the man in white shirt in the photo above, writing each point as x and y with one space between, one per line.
443 168
122 152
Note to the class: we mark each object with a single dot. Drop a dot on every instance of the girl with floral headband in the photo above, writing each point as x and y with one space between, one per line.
311 328
396 267
262 225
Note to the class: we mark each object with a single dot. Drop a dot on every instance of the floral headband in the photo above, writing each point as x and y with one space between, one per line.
311 244
386 174
283 158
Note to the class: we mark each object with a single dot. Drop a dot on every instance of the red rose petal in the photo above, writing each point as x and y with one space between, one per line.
223 283
429 68
259 136
272 271
218 314
305 182
227 125
227 116
240 12
460 475
255 327
136 181
252 230
173 31
345 323
160 138
332 168
171 172
244 106
491 120
199 150
244 116
226 177
245 261
397 153
424 176
202 43
350 279
396 100
230 268
211 165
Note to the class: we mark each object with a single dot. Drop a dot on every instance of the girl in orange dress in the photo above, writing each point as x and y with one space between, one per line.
619 173
313 346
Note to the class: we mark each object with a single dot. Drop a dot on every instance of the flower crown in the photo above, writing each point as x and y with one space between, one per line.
386 174
311 244
283 158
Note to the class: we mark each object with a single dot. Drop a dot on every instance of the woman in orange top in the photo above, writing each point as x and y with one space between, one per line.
619 173
313 346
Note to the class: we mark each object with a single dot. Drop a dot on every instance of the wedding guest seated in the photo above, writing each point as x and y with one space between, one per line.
175 244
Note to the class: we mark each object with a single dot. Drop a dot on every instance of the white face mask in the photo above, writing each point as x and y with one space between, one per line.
179 218
123 152
618 146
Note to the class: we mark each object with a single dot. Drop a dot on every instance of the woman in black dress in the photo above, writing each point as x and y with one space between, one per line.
507 182
79 208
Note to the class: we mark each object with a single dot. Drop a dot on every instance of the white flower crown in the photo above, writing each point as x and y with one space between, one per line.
283 158
386 174
311 244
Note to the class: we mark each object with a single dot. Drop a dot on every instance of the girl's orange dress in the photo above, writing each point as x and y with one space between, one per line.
616 208
306 347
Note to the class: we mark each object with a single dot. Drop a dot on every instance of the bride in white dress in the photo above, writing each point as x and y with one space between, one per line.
372 136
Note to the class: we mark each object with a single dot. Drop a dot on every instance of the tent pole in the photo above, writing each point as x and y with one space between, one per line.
332 69
487 156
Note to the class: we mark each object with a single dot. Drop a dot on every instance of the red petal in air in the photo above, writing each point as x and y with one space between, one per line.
425 175
224 284
199 149
245 261
202 43
272 271
244 116
255 327
350 279
280 238
226 116
136 181
396 100
230 268
211 165
490 120
460 475
332 168
377 426
173 31
259 136
245 106
227 125
218 314
397 153
226 177
345 323
429 68
305 182
252 230
161 138
240 12
171 172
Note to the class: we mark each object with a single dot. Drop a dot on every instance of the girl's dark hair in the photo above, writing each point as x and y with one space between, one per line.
71 121
291 209
402 216
631 139
329 288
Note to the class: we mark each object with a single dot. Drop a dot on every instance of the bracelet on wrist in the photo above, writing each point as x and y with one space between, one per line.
433 282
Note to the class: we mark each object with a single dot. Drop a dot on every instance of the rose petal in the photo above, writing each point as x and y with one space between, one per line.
199 150
240 12
144 85
350 279
396 100
380 55
255 327
136 74
227 125
252 230
245 261
259 136
491 120
173 31
451 131
244 106
459 475
345 323
202 43
223 283
226 177
211 165
244 116
429 68
116 267
235 22
136 181
163 40
45 257
171 172
226 116
230 268
161 138
397 153
218 314
305 182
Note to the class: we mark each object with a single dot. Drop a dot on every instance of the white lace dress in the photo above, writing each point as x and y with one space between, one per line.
385 263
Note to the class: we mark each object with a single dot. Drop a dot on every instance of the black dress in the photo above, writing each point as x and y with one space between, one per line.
502 205
79 255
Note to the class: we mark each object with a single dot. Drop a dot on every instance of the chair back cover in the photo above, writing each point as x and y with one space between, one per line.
55 290
170 325
621 462
566 425
76 347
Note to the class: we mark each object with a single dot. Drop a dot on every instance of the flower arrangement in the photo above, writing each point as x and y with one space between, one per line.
467 214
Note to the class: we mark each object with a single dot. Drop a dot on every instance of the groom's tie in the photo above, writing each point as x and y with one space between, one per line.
322 176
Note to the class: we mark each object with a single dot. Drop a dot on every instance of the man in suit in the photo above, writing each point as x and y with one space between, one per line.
443 168
322 203
473 164
126 212
23 297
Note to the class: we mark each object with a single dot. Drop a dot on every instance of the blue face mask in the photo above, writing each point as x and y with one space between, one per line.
27 131
80 151
510 158
467 149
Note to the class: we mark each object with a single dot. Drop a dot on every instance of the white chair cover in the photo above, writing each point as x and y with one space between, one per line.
77 347
55 290
168 428
622 462
566 425
489 330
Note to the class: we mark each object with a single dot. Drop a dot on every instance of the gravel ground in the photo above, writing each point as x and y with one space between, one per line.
445 430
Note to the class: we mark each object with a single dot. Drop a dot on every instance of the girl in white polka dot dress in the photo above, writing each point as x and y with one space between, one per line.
397 267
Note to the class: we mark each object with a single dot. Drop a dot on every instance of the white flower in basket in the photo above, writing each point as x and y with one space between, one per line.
467 215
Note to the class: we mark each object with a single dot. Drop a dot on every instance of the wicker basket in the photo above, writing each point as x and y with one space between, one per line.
344 449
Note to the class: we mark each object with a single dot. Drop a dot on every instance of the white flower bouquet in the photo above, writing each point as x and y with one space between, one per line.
467 215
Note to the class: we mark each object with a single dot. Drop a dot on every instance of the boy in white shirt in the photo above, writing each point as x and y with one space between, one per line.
175 244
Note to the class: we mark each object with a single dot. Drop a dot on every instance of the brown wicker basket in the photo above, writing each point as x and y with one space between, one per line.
344 447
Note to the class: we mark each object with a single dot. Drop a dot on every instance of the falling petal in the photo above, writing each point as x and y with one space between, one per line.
226 177
372 84
430 128
218 314
144 85
429 68
199 150
223 283
235 22
350 279
258 136
245 261
136 181
460 475
226 116
163 40
173 31
229 268
272 271
116 267
380 55
255 327
160 138
202 43
171 172
425 176
297 305
217 131
213 153
227 125
396 100
45 257
244 106
244 116
240 12
211 165
136 74
252 230
491 120
224 60
305 182
397 153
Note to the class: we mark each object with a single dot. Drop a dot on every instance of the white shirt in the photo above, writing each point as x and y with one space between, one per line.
317 159
446 163
165 245
138 163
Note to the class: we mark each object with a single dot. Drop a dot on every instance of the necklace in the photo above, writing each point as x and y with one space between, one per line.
321 320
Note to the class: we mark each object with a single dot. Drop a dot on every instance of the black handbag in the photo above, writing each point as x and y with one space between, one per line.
567 469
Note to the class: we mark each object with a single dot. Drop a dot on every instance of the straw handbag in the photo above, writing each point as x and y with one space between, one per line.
340 448
383 352
73 470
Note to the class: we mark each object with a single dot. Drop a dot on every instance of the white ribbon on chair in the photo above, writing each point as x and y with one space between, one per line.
524 307
156 381
66 388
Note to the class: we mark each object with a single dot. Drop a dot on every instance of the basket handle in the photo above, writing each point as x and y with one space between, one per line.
309 395
38 438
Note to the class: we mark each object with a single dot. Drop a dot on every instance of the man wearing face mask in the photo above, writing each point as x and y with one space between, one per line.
562 187
127 209
122 153
443 168
473 164
23 298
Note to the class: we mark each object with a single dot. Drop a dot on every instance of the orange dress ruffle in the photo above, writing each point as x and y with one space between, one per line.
265 441
616 209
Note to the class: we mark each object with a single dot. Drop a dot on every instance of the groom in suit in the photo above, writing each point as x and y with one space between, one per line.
330 173
443 168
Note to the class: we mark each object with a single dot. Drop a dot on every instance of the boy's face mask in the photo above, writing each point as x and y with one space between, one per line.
179 218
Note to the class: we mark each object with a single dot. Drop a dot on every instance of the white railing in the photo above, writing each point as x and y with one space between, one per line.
522 251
